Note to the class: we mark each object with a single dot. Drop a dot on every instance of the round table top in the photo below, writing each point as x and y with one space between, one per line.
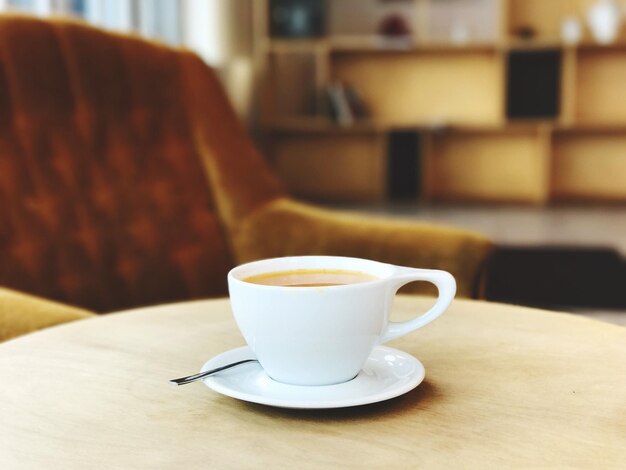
505 386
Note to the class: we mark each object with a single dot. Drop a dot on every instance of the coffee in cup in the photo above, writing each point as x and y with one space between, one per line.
311 278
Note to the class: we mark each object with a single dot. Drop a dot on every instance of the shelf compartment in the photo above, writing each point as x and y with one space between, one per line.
296 19
363 17
338 167
543 16
489 166
589 166
599 96
468 20
427 87
292 84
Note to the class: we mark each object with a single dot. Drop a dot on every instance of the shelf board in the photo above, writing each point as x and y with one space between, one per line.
374 44
293 45
378 44
592 46
324 125
534 44
544 43
593 128
321 125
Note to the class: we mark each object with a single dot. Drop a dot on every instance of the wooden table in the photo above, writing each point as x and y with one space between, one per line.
505 387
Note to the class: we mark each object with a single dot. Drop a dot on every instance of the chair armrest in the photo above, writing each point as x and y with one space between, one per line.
288 228
22 313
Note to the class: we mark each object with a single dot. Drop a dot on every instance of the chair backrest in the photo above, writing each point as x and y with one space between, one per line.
122 168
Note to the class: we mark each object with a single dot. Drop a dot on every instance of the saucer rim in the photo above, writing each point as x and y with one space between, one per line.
415 379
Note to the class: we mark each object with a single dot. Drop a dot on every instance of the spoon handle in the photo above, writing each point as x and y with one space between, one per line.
206 373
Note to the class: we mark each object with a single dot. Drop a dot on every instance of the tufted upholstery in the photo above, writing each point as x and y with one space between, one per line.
103 197
126 179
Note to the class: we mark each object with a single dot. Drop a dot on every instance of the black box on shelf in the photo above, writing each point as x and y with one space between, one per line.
297 18
533 84
403 165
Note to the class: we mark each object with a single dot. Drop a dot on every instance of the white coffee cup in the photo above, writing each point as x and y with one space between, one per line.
324 335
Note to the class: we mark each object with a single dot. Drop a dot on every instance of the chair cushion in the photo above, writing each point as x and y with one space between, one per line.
21 313
290 228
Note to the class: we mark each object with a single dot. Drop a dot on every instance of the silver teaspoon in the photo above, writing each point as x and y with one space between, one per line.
206 373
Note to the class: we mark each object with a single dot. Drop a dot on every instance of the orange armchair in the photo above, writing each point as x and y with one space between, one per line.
126 180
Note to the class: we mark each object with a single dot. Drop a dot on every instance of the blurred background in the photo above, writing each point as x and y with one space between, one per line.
503 116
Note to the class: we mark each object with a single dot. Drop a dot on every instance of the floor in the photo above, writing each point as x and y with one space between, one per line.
519 225
589 226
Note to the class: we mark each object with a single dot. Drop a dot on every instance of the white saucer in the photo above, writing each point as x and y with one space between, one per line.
387 373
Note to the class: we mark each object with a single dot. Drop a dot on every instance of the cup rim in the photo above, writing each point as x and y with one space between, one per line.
232 274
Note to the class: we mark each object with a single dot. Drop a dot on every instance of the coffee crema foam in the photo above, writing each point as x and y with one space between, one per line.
310 278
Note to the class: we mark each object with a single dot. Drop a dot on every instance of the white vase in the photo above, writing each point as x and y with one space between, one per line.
604 19
571 30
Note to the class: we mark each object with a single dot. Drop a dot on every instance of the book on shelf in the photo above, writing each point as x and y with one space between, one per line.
345 104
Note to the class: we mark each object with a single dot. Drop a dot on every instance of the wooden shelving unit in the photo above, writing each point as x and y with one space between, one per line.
453 95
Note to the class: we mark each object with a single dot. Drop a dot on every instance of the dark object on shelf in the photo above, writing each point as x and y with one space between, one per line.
357 106
340 110
394 26
297 18
525 32
557 277
403 163
533 84
345 104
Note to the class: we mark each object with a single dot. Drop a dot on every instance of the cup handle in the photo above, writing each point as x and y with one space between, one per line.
445 284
